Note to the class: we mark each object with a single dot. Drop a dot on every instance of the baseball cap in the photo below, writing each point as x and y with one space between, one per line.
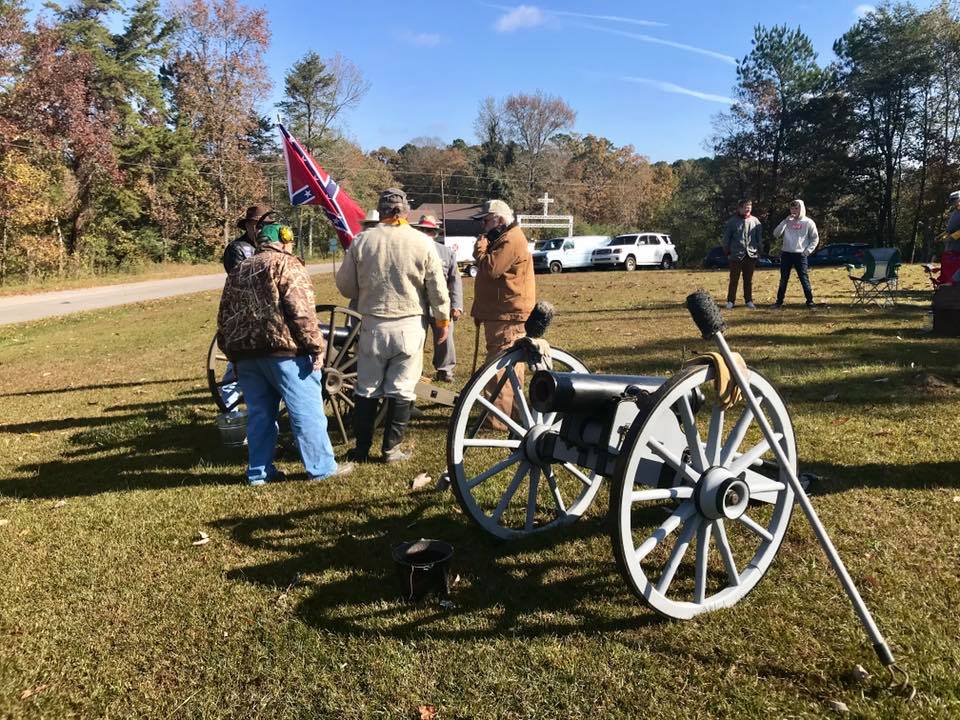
494 207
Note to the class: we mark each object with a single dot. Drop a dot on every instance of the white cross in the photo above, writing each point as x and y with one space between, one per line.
545 200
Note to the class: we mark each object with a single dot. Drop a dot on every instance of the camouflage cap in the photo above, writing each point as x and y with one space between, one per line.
392 199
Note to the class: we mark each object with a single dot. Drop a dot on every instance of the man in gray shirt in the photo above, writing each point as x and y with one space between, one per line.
742 243
444 353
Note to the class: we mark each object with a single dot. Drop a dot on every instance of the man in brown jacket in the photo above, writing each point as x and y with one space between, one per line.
504 292
267 326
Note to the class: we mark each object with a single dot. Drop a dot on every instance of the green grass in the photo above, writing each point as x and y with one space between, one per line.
110 465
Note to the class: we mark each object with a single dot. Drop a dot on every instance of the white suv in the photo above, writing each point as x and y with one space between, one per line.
629 251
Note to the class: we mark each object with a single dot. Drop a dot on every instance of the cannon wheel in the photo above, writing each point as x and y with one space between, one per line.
727 506
216 378
489 469
339 370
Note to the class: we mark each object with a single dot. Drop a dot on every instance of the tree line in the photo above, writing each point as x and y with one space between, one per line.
144 144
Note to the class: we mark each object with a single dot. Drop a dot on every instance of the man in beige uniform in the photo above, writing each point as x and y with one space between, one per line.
395 275
504 291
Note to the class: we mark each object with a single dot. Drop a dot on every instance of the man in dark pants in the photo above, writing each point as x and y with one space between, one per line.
800 238
742 243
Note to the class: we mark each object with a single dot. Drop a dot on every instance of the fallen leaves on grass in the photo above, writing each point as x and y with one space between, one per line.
426 712
929 381
859 674
30 692
4 521
59 504
421 481
838 706
202 539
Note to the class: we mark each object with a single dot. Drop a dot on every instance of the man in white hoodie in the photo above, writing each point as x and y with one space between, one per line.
800 238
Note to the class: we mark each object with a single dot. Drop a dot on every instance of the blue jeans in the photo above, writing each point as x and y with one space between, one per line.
788 261
265 382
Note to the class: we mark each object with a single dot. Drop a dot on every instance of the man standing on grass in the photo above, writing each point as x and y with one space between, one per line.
267 326
444 353
504 291
742 244
800 238
245 246
395 275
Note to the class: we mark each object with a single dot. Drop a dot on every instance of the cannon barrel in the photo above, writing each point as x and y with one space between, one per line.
584 393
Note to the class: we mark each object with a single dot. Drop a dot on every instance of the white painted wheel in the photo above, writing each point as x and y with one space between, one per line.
496 476
695 531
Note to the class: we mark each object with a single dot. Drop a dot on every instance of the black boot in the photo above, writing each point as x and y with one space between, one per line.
364 417
394 428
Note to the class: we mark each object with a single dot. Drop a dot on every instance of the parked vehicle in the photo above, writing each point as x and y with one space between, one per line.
462 246
839 254
634 249
717 259
567 253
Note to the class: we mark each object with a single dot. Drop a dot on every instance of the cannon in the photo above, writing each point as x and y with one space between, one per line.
340 328
702 485
698 502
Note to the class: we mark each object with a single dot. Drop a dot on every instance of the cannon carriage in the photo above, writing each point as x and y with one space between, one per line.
698 502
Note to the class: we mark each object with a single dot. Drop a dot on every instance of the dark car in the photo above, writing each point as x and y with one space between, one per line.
716 259
838 254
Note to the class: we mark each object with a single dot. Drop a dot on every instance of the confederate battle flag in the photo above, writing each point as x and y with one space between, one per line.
309 184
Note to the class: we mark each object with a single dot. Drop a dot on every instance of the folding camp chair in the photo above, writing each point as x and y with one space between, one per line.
880 277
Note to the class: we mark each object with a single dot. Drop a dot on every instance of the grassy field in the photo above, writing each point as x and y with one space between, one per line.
110 466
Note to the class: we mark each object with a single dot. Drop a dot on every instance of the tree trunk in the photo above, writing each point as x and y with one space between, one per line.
3 255
56 223
225 206
310 235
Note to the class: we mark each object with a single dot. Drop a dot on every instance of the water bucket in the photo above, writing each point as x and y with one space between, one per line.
422 568
233 428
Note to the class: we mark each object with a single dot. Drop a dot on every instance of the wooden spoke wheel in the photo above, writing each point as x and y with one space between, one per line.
339 370
222 380
341 329
495 473
694 531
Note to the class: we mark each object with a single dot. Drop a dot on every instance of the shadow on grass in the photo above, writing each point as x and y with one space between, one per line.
527 588
918 476
141 445
104 386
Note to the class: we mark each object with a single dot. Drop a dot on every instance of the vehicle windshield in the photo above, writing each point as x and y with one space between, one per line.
624 240
554 244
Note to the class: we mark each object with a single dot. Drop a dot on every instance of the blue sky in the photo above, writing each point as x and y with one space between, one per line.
649 74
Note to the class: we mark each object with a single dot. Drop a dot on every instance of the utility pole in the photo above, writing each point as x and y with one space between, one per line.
443 206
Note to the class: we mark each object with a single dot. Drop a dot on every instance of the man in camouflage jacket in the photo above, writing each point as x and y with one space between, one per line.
267 326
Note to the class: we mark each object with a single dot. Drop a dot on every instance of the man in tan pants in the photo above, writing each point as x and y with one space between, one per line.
504 292
395 275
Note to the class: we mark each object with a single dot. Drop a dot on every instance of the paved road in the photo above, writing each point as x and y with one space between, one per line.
20 308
